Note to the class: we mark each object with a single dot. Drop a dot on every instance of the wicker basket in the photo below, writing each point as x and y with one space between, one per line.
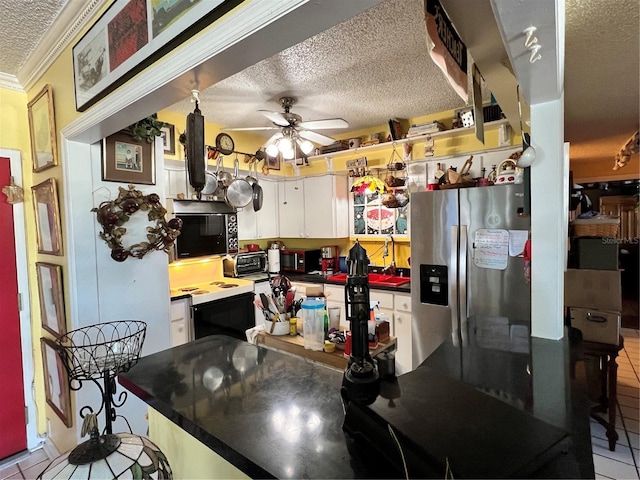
601 226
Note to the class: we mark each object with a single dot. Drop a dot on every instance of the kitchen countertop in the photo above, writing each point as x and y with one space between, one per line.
336 359
315 278
268 398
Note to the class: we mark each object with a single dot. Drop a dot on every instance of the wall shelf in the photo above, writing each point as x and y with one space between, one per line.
457 132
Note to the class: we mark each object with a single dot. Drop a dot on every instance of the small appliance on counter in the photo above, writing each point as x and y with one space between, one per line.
244 264
274 258
300 261
330 261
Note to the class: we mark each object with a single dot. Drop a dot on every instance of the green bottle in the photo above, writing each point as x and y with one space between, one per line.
326 325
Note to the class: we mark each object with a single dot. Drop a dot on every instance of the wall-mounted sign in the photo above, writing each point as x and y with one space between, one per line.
446 47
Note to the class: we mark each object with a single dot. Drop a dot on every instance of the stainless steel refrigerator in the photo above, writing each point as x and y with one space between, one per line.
467 266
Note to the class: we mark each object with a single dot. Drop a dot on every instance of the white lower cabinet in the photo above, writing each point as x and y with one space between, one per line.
180 321
301 289
258 288
385 305
397 308
402 329
335 298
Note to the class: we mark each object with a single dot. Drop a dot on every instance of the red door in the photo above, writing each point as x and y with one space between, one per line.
13 438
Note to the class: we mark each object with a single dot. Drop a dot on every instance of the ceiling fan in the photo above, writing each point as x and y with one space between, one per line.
293 131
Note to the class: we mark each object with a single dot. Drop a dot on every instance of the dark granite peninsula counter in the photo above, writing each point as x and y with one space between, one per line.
269 414
266 414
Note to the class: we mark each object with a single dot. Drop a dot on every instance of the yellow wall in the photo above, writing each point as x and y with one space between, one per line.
14 131
188 457
243 141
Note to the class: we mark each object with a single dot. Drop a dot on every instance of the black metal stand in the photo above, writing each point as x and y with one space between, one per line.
100 352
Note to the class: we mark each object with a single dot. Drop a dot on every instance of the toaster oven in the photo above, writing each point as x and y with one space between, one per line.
244 264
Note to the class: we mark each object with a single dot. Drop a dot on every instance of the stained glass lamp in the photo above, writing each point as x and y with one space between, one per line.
120 455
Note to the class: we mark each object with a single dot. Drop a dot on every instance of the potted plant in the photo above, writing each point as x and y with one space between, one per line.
146 129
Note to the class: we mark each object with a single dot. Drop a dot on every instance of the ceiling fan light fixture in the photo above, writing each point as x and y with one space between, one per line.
272 149
306 146
288 154
285 144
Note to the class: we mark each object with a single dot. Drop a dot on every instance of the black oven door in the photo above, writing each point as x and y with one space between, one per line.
228 316
202 235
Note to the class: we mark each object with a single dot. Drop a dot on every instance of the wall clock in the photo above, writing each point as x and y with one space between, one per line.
224 143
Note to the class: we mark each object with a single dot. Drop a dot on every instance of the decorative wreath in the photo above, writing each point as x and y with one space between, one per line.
112 215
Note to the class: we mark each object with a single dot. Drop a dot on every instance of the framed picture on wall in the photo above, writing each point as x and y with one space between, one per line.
127 160
47 212
42 130
274 162
169 139
131 35
56 384
51 298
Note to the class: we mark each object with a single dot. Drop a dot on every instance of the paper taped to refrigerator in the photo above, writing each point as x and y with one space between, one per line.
491 248
517 239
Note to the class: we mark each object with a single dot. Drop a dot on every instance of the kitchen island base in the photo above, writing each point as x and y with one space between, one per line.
200 463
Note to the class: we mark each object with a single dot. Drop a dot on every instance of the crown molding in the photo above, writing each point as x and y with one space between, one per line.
10 82
72 19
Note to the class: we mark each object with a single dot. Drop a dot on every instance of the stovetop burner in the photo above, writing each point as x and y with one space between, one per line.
189 289
199 291
224 284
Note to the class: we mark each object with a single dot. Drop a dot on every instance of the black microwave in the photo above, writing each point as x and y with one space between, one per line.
300 261
208 228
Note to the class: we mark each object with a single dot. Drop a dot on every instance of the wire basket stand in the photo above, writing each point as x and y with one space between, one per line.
100 352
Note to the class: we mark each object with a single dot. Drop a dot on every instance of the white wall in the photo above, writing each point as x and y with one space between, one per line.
102 289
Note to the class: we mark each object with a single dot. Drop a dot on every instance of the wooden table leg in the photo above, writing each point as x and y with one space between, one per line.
612 434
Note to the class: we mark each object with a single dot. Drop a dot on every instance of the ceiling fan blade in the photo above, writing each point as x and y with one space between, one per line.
249 129
316 137
273 138
276 117
326 123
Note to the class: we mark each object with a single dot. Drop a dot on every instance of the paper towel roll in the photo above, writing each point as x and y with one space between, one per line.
273 255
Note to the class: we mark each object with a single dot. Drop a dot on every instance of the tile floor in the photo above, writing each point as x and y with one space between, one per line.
624 462
621 464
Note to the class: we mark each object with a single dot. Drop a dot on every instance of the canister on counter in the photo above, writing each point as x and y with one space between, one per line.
293 326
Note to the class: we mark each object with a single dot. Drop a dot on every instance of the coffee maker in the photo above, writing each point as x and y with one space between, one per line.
330 260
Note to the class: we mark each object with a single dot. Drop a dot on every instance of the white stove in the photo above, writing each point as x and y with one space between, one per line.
215 290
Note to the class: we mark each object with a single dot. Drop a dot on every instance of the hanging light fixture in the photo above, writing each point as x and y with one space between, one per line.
286 144
120 455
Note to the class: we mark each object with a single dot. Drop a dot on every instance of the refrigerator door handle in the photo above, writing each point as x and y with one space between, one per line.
462 275
453 286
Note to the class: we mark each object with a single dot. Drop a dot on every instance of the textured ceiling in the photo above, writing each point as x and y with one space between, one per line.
22 23
366 70
375 66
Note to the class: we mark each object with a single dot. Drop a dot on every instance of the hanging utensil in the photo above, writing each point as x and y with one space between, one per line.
257 191
239 193
220 191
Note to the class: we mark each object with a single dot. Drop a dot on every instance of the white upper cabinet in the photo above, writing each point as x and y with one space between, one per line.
326 207
263 223
291 209
314 207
